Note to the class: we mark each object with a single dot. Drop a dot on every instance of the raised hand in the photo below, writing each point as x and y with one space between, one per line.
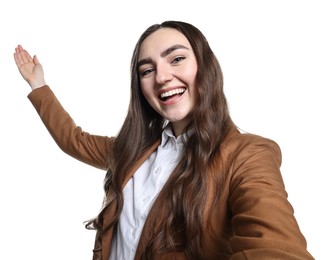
29 67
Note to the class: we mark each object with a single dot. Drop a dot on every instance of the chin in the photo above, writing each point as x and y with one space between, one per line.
175 119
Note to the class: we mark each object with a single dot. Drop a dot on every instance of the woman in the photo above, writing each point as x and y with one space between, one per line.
182 182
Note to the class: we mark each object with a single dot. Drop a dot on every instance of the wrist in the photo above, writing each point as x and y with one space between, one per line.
35 85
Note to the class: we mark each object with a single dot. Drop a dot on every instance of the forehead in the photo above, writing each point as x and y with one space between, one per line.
160 40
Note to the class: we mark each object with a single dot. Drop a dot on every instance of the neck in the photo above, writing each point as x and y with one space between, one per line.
178 128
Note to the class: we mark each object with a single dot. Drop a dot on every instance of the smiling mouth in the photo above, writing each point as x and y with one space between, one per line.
172 93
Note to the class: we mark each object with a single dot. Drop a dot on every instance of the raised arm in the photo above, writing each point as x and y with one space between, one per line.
29 67
90 149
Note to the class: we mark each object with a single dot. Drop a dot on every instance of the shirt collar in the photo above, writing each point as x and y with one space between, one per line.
168 133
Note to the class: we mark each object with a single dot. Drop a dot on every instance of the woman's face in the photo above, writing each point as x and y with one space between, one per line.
167 69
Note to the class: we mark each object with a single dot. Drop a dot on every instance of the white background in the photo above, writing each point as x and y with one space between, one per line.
276 58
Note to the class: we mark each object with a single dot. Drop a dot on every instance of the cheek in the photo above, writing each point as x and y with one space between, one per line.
191 77
143 88
191 73
147 91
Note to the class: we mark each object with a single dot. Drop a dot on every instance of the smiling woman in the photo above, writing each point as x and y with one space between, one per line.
168 69
182 181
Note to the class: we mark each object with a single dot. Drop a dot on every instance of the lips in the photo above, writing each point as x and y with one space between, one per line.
171 93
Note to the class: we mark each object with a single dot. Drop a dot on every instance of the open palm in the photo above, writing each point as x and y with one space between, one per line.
29 67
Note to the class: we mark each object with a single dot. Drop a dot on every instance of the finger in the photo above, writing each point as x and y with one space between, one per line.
26 56
19 49
18 58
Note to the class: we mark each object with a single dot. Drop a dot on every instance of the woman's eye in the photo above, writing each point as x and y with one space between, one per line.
146 72
178 59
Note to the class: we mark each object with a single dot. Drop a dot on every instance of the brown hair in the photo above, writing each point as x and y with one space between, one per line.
143 126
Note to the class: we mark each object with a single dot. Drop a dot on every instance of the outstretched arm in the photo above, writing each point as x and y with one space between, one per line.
90 149
29 67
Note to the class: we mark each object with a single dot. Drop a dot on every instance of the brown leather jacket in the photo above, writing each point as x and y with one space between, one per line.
250 211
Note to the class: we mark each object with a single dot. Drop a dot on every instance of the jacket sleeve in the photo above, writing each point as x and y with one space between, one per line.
90 149
263 220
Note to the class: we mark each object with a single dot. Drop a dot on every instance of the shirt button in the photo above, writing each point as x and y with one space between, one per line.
158 170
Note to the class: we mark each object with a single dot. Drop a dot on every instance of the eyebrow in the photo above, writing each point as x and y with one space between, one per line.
163 54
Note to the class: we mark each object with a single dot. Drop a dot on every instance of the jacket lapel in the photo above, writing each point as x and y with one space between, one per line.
107 238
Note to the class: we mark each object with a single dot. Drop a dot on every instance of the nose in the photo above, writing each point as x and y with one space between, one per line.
163 74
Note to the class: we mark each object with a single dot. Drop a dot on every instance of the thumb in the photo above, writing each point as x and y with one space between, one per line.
35 60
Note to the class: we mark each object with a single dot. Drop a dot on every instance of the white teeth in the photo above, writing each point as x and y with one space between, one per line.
172 92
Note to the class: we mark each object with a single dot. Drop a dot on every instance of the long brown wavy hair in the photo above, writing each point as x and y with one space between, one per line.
185 198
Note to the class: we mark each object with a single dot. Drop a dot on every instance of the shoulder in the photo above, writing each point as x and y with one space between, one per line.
245 154
237 143
248 159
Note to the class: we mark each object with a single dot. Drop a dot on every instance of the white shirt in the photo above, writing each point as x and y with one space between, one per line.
140 193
